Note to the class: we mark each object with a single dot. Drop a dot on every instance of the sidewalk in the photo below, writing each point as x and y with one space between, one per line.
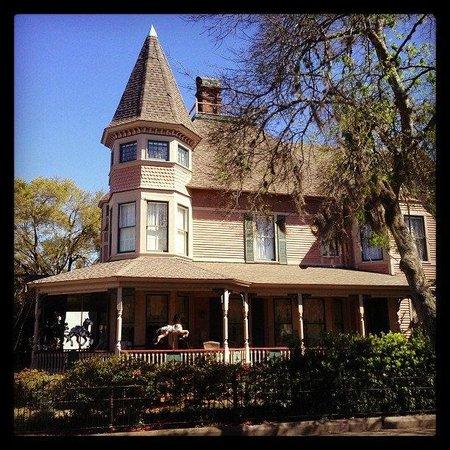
368 426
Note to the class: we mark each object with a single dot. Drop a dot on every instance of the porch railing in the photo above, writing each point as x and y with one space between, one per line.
262 354
59 361
189 356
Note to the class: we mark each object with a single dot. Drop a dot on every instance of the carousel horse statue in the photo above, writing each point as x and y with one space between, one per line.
175 329
80 332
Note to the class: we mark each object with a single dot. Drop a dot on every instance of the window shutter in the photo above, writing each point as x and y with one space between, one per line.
248 235
281 225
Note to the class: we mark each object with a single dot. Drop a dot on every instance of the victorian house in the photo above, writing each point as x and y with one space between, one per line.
241 283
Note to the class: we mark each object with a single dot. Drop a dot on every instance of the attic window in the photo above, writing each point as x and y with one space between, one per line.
158 150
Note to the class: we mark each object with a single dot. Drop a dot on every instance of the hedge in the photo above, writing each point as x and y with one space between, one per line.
348 375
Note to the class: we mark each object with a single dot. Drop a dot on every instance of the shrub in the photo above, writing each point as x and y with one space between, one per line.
36 387
348 375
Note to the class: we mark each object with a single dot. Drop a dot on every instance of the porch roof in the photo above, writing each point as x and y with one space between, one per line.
173 270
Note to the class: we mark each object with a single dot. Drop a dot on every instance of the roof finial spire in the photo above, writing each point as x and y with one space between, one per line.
153 32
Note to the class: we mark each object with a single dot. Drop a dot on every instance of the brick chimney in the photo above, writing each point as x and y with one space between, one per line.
209 100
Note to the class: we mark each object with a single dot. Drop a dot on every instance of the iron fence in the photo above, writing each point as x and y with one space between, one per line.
95 409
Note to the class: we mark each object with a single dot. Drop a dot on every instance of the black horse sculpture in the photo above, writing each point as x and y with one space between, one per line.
80 332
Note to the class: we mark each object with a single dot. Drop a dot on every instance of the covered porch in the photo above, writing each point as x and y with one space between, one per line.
229 319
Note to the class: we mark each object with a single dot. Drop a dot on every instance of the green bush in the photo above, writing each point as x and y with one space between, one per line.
354 374
36 387
348 375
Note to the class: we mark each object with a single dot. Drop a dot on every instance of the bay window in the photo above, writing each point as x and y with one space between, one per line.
182 222
157 220
368 252
416 227
127 227
265 238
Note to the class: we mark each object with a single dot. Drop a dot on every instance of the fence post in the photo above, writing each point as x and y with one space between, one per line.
111 408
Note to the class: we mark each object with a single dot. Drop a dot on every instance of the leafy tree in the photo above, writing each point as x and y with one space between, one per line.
355 94
57 228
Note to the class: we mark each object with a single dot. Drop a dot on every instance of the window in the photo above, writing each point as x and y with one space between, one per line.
282 308
183 156
127 318
338 316
368 252
313 320
416 227
235 322
181 244
128 151
157 226
158 150
112 158
265 238
156 317
330 249
127 227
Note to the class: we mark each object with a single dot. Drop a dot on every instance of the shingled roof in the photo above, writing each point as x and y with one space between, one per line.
152 93
205 166
179 270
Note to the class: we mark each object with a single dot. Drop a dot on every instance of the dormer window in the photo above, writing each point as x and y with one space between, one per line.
158 150
128 151
183 156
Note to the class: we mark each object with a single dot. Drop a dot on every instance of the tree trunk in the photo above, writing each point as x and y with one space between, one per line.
423 299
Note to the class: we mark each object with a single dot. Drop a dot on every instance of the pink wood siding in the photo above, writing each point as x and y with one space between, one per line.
218 236
303 247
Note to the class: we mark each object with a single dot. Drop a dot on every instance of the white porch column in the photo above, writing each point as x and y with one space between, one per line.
301 331
37 315
225 303
119 321
361 315
246 332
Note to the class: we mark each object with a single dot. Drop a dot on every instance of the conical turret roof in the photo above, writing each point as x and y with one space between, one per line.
152 93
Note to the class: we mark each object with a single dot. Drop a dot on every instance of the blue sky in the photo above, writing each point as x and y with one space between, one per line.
70 72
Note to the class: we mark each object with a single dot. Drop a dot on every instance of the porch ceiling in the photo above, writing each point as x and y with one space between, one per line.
174 270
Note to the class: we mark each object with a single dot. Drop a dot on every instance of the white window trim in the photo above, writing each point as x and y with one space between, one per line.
167 203
186 232
189 156
119 228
